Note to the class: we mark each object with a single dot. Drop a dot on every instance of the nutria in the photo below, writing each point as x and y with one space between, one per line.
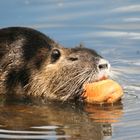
33 65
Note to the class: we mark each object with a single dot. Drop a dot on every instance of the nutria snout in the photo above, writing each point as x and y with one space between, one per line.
33 65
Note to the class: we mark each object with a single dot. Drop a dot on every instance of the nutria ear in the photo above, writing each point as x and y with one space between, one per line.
81 45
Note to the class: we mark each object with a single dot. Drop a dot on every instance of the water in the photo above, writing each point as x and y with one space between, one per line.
110 27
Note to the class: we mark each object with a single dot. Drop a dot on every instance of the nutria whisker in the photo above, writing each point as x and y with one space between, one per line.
86 78
77 88
76 78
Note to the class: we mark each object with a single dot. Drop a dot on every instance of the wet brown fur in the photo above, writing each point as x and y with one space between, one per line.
27 68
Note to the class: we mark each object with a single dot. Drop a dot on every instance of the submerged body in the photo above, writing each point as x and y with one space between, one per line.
33 65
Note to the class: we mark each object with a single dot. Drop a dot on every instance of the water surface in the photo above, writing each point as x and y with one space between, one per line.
110 27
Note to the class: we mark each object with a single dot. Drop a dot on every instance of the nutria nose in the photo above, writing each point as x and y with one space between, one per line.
103 65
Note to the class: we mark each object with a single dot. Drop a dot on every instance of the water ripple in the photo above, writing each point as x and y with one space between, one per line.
128 8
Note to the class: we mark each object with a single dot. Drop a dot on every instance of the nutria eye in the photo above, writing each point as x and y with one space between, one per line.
55 55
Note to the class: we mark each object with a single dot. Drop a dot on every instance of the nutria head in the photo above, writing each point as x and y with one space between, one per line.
62 75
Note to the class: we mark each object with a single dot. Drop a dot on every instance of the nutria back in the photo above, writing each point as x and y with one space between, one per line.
33 65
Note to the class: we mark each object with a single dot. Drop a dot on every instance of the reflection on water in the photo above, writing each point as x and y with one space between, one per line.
108 114
110 27
54 121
